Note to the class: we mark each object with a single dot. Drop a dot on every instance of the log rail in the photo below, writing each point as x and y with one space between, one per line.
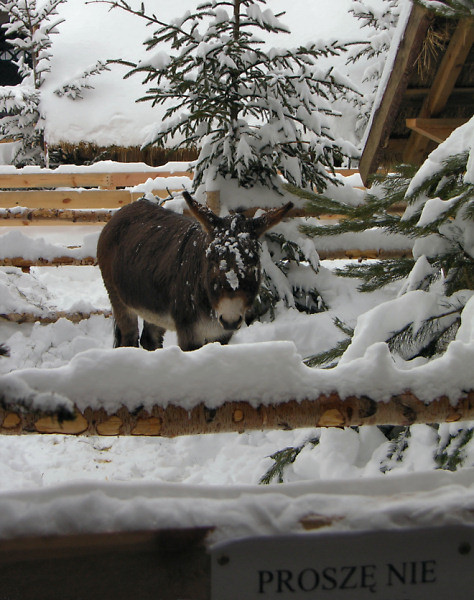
324 411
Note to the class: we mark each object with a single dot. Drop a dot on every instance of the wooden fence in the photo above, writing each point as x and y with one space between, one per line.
86 196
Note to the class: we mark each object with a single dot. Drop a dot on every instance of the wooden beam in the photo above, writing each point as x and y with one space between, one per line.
419 143
436 130
72 199
449 69
386 113
322 411
425 91
65 198
343 253
47 216
51 317
167 564
109 180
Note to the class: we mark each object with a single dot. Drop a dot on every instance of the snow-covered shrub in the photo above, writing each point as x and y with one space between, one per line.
440 217
434 305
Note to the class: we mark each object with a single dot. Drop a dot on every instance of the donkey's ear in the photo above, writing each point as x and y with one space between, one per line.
270 218
206 217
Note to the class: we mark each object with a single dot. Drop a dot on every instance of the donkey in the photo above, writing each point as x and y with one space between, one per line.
195 276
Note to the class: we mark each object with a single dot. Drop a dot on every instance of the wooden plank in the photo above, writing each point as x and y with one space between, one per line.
26 263
53 180
436 130
51 317
108 180
46 216
449 69
397 84
66 198
168 564
322 411
418 144
348 254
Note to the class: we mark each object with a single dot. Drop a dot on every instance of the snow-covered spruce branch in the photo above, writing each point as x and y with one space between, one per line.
73 88
122 4
30 28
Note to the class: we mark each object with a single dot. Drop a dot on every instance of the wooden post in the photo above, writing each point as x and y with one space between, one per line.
213 201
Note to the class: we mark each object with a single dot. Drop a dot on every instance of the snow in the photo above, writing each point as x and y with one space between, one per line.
428 499
260 373
60 484
460 140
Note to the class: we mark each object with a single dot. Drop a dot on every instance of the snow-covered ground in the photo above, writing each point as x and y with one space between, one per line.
57 483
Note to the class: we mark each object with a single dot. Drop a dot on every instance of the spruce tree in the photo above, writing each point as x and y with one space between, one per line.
440 218
255 114
29 29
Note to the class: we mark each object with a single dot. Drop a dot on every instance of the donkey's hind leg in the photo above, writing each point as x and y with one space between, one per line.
125 323
152 336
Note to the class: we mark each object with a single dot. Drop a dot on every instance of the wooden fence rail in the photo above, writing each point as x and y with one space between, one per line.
90 198
323 411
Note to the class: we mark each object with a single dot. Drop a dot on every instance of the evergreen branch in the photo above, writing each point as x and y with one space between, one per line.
329 358
282 459
429 339
378 274
452 453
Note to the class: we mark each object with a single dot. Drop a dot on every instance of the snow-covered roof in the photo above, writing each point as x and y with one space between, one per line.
439 88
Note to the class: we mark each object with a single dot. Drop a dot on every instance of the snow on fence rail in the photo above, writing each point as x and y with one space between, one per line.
254 386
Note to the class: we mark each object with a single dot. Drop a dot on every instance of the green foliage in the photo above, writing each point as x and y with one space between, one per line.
377 274
282 459
397 448
451 452
288 276
429 339
451 448
329 358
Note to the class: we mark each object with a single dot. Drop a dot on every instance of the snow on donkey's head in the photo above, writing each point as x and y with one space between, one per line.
197 278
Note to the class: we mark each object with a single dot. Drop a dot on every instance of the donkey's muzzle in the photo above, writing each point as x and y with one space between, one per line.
230 325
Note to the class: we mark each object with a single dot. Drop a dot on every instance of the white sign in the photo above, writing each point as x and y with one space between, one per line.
415 564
